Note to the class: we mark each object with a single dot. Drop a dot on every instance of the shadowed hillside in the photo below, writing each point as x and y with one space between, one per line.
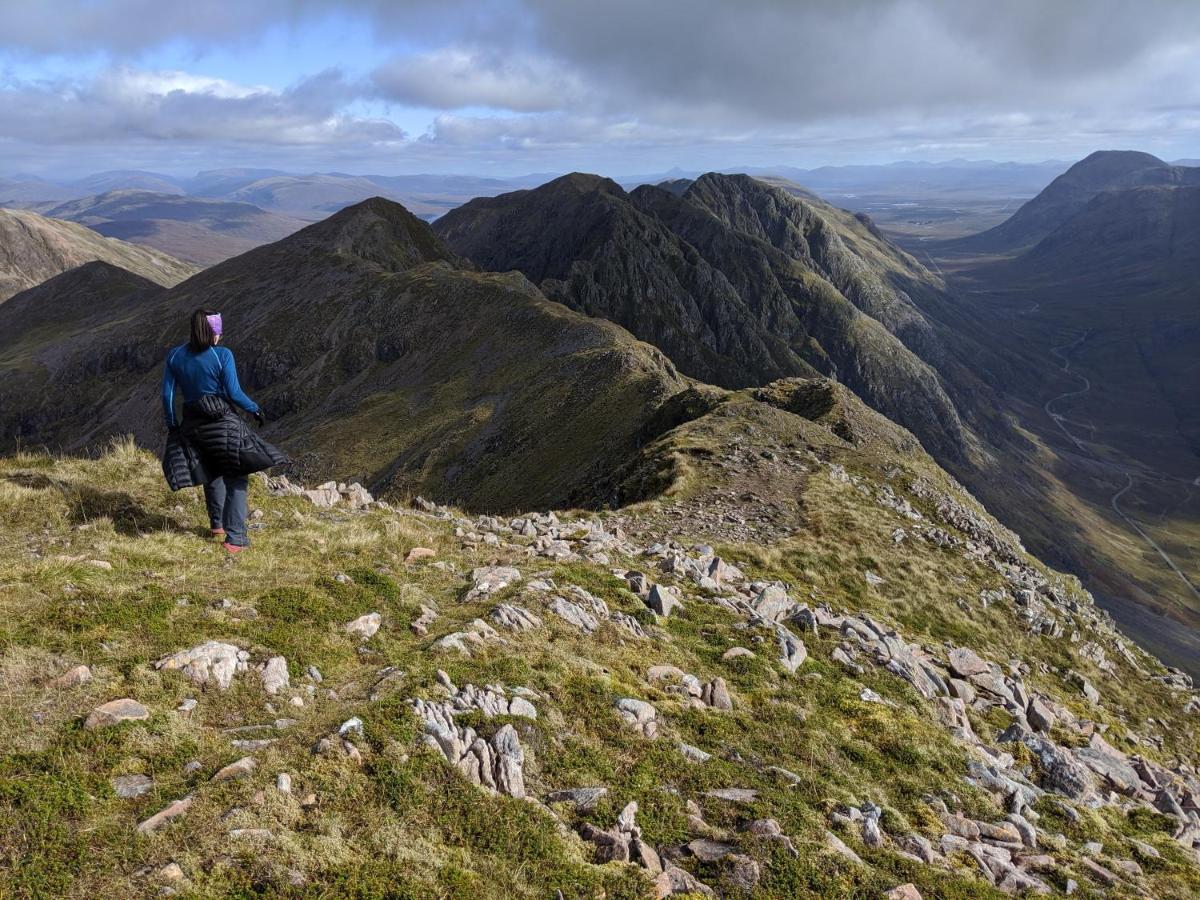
379 353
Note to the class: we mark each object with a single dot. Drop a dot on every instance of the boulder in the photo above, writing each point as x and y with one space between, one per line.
965 662
514 618
584 799
640 715
114 712
707 850
211 662
773 603
128 787
735 652
163 816
716 694
275 675
662 600
792 652
1040 717
674 880
240 769
734 795
490 579
364 626
574 614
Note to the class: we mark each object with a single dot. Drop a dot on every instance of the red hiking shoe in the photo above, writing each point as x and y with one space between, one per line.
217 532
233 549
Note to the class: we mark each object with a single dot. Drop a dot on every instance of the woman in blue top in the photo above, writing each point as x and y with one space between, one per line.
207 376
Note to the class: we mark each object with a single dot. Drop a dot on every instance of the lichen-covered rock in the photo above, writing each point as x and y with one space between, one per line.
574 614
491 579
275 675
364 626
70 678
514 618
239 769
792 652
640 715
662 600
114 712
212 662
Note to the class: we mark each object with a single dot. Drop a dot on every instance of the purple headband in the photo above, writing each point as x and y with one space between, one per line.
214 322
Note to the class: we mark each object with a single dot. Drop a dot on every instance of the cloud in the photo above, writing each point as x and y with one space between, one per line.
122 104
455 78
125 26
763 61
525 79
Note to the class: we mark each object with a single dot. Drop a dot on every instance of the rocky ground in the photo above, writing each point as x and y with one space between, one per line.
812 667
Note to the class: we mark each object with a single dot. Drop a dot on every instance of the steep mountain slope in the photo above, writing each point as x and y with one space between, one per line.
854 680
199 231
1102 322
1070 192
34 248
728 301
377 350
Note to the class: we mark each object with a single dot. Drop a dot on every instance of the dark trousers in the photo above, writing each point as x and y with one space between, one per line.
226 501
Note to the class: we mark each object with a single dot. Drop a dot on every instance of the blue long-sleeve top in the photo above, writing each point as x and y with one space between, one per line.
211 371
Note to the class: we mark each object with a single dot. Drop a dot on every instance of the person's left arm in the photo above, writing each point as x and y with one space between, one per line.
168 395
233 390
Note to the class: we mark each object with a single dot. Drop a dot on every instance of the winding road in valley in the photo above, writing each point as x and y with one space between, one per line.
1061 421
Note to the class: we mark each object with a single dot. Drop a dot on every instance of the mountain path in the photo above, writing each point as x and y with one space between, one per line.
1061 421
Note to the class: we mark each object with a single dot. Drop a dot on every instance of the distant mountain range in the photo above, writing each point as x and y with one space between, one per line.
221 213
34 248
309 197
190 228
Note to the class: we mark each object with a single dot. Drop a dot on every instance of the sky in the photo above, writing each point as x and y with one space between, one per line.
508 87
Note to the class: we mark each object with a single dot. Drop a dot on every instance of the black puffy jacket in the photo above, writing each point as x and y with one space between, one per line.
212 442
182 464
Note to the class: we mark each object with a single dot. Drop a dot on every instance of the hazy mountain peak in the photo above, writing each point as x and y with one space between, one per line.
1071 191
1104 165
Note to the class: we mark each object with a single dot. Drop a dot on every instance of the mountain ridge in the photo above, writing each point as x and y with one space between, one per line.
388 333
596 248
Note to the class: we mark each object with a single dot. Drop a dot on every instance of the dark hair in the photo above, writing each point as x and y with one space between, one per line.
202 334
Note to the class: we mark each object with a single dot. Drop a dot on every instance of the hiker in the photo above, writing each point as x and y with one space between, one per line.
213 446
